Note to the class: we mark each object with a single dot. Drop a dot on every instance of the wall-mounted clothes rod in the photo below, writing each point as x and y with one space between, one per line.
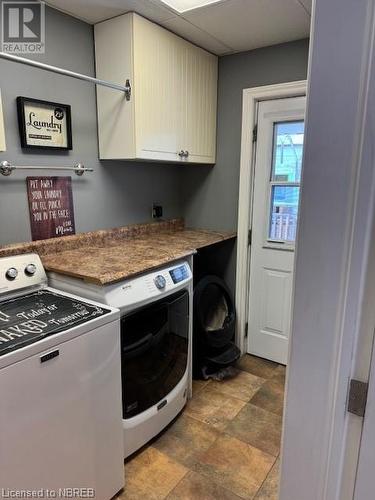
7 168
55 69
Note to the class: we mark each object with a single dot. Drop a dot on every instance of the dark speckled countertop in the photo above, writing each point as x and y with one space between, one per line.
109 256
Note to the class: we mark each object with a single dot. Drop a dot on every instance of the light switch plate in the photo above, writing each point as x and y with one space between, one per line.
2 130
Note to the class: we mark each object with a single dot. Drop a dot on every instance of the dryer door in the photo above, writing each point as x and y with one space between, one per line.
154 346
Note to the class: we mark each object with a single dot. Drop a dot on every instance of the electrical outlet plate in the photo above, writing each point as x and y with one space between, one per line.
2 130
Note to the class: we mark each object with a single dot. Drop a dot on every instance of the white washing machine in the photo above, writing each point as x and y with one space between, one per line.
156 334
60 391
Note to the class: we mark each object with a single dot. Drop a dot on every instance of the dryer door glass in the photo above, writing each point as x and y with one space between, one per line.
154 345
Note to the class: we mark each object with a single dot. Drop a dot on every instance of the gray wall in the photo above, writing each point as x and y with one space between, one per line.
211 193
117 193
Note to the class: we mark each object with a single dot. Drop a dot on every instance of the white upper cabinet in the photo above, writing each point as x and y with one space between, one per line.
171 114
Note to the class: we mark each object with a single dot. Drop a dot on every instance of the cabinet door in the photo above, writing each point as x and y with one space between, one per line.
200 101
114 62
158 91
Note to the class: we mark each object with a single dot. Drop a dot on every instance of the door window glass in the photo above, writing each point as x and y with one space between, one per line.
284 212
285 180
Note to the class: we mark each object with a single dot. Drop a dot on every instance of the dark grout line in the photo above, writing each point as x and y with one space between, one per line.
183 477
265 479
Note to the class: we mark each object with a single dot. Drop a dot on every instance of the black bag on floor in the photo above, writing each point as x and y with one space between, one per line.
213 327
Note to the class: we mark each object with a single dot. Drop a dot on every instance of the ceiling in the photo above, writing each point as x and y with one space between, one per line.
224 27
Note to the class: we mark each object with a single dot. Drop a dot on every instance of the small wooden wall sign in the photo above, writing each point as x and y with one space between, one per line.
50 206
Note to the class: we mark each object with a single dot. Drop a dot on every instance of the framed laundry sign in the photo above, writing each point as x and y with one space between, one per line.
50 207
44 124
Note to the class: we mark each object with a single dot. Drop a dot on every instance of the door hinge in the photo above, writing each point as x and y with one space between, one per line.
255 133
357 397
246 329
249 237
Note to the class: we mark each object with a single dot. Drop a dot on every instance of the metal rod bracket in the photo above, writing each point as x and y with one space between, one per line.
6 168
128 90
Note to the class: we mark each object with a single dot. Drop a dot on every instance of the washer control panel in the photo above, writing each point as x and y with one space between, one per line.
21 271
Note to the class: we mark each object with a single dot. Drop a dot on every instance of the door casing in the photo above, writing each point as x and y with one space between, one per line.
332 323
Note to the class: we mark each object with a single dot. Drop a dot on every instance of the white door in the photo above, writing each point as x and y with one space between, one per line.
277 177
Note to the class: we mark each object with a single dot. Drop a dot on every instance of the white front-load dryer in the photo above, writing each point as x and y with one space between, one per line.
156 333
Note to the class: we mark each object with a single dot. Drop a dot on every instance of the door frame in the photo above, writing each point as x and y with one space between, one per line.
250 99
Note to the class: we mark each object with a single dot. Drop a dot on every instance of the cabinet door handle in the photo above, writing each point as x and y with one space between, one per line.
181 154
186 154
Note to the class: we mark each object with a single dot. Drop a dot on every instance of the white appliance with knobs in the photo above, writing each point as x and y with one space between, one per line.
156 332
60 387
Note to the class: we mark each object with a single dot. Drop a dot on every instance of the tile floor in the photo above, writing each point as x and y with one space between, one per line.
224 446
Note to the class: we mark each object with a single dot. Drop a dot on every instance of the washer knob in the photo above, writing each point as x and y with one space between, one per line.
30 269
160 282
11 274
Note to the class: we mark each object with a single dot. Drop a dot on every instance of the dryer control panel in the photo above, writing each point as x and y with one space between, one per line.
152 285
180 273
133 292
